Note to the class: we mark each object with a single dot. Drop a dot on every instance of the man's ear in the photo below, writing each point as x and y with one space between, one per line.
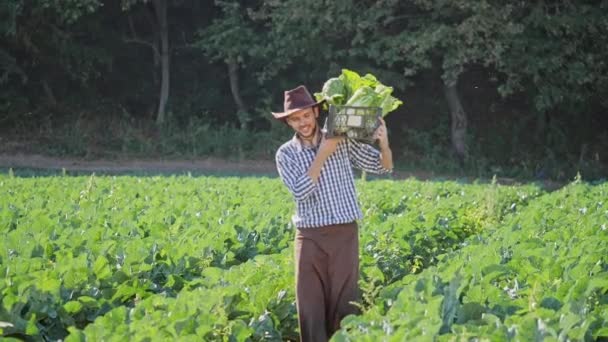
316 110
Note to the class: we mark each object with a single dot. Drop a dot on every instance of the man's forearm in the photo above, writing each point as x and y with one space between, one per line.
386 157
315 168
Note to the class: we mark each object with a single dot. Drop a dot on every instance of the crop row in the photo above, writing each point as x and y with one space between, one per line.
542 274
126 257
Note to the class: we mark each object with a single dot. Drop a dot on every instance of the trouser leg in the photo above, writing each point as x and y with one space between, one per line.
343 271
311 289
327 274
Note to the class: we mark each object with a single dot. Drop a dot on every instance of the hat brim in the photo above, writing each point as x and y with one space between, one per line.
283 115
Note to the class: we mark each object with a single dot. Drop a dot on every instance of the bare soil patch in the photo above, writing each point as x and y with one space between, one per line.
215 166
207 165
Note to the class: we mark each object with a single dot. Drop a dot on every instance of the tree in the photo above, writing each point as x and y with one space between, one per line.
554 51
160 48
233 39
43 53
440 37
558 56
416 36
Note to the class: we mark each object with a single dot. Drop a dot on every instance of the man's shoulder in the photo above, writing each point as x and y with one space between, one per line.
287 148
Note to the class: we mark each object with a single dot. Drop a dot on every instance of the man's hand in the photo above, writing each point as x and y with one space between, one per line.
386 155
382 135
327 147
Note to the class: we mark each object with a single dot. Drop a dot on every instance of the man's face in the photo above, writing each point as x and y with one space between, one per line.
304 122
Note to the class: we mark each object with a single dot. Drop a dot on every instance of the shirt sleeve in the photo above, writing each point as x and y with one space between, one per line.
295 177
365 157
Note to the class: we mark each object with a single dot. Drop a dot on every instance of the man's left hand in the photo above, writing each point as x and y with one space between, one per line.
381 134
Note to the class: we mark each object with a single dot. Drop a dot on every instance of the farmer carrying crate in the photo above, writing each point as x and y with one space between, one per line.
317 170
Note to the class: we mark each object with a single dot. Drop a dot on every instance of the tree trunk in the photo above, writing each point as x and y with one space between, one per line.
459 121
160 8
541 127
233 74
49 94
157 62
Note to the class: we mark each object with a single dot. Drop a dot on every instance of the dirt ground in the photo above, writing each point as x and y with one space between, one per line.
203 166
212 166
208 165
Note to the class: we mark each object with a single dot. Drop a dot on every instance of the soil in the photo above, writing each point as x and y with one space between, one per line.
214 166
206 166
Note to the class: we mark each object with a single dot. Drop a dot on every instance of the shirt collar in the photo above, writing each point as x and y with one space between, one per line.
295 141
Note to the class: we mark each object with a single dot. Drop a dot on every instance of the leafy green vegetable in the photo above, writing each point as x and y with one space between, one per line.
194 258
363 97
384 99
334 91
538 272
353 81
353 90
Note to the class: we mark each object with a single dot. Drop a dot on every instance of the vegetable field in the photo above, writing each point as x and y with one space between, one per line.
203 258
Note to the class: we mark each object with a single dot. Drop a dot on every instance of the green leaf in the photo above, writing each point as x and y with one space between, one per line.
51 285
470 311
88 302
73 306
240 331
601 333
101 268
31 327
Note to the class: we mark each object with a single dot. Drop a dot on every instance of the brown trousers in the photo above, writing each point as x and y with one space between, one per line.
327 272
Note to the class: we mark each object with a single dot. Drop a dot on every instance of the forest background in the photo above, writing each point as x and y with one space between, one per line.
508 88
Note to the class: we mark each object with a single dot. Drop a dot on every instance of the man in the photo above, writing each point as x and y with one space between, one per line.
318 173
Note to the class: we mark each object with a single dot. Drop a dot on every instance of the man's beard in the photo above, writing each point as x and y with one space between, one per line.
313 131
311 137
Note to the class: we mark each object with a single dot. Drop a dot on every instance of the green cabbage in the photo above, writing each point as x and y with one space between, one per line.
363 97
353 90
333 92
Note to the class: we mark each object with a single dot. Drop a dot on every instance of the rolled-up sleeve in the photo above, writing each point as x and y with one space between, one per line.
365 157
295 177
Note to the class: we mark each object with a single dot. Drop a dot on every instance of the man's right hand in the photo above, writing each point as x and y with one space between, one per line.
326 148
329 145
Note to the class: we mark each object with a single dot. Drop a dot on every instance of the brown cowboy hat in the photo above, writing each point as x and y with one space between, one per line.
295 100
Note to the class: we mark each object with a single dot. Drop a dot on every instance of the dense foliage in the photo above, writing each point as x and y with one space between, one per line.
540 274
521 83
156 258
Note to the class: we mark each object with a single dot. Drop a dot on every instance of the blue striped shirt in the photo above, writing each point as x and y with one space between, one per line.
333 200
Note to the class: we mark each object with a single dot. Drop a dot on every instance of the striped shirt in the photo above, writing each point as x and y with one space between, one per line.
333 200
